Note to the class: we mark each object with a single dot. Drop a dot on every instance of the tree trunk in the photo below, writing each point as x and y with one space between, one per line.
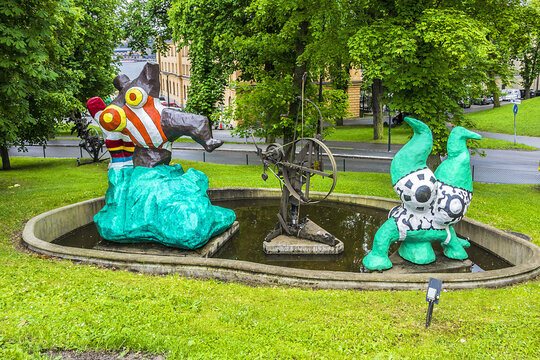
378 120
6 165
433 161
496 101
527 92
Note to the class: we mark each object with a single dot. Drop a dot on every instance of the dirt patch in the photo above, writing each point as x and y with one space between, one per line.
17 241
99 355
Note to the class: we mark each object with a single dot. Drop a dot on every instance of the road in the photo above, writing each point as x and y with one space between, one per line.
499 166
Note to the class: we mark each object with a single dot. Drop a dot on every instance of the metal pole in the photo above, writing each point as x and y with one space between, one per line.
343 164
362 98
168 100
515 130
203 156
44 151
247 162
389 129
429 313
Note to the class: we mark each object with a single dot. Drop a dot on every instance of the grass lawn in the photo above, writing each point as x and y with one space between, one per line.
403 133
501 120
54 304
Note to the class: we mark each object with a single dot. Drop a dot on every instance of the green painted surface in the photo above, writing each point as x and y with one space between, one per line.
161 204
413 155
455 170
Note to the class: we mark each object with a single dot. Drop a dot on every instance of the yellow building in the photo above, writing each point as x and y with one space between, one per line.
174 76
175 70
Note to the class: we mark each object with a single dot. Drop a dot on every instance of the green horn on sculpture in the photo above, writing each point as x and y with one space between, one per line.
455 170
413 155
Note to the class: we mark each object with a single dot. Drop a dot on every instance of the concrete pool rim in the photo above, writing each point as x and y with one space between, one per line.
42 229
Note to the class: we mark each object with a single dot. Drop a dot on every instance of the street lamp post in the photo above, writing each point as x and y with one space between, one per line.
389 128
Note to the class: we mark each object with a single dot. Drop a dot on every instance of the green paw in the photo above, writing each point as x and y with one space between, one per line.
376 262
454 250
464 243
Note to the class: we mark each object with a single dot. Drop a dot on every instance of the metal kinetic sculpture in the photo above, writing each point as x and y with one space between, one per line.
295 176
147 199
432 202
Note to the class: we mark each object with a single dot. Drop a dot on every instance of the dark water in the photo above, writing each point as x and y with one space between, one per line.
354 225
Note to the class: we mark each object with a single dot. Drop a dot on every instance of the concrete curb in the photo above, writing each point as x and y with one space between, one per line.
42 229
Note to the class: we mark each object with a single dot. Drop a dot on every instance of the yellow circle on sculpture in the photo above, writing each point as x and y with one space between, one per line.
108 117
136 97
113 118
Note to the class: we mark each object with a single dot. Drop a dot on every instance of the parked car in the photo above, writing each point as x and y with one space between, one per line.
170 105
464 103
483 100
510 94
532 93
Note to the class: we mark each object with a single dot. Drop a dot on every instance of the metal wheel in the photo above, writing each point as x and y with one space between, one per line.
307 163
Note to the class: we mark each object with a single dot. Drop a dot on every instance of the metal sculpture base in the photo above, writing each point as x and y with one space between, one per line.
307 238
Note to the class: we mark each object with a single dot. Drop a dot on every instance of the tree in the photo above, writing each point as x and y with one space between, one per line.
283 49
500 18
55 54
426 54
265 40
32 81
203 25
146 24
529 57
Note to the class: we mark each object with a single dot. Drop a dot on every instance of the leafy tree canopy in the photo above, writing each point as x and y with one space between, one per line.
427 54
53 56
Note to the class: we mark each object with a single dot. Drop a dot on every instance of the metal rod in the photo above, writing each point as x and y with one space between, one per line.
515 130
343 164
204 156
44 155
429 313
168 99
389 129
247 160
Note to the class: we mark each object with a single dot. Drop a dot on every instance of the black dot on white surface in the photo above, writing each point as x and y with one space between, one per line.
420 176
423 194
406 198
433 180
409 184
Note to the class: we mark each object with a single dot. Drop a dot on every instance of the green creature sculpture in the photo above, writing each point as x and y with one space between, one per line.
431 202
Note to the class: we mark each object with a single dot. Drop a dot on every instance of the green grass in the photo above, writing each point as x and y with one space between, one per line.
364 133
501 120
54 304
403 133
487 143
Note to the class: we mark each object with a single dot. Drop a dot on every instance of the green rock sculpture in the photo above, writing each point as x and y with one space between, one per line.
431 202
161 204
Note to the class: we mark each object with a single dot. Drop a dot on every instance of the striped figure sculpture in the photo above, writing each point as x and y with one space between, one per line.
149 200
138 114
431 202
